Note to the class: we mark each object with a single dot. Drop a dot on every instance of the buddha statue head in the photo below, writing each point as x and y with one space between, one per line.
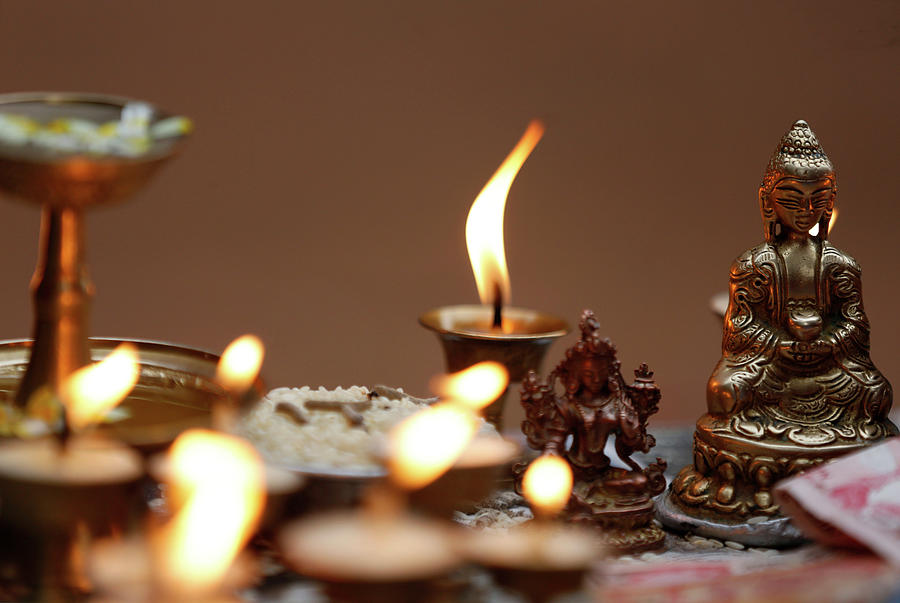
799 187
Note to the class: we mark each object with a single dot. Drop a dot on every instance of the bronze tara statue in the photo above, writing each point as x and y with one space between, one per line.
595 405
795 385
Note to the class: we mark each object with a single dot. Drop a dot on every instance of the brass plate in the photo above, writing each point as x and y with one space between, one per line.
175 391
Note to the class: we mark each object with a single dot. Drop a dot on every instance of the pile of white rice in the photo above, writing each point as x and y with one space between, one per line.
327 440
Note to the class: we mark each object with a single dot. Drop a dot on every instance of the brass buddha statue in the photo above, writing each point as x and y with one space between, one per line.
795 385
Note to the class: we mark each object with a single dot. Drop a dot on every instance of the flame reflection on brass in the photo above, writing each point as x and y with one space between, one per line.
814 231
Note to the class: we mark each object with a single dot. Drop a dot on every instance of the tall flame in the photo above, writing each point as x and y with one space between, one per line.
217 482
92 391
484 226
547 484
476 386
240 363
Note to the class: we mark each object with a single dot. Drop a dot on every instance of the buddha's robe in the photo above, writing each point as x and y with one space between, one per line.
770 395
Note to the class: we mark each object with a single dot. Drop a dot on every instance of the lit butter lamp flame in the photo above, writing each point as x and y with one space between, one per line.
237 370
474 387
92 391
484 226
429 442
547 484
218 488
240 363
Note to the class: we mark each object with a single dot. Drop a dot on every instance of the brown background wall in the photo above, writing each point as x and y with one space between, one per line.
322 202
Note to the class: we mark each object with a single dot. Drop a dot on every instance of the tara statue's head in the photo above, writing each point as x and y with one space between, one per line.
799 187
590 365
590 373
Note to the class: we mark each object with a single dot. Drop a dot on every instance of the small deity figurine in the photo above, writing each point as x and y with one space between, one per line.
795 385
595 405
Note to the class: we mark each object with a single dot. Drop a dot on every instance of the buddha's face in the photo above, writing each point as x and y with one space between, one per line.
799 204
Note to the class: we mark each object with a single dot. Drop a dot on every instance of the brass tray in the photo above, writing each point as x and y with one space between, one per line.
175 390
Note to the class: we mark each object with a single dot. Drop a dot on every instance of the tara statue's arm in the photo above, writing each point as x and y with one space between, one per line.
544 425
645 394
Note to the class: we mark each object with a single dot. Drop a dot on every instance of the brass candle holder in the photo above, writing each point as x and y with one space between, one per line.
371 556
514 337
56 502
539 560
542 558
470 480
467 337
66 183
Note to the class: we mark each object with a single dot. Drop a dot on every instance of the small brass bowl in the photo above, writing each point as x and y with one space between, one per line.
282 486
539 559
479 471
467 338
476 474
71 179
370 558
329 489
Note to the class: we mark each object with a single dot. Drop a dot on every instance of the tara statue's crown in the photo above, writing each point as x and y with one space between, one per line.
799 154
591 342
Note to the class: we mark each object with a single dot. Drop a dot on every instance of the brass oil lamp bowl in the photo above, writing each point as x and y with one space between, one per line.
56 502
66 180
467 338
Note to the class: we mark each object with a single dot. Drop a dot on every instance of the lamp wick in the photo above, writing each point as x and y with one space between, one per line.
498 306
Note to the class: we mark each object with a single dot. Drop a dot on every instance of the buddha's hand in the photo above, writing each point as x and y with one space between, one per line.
806 351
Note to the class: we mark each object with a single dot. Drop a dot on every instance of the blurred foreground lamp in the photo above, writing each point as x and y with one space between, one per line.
383 553
542 558
61 493
515 337
217 490
547 484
